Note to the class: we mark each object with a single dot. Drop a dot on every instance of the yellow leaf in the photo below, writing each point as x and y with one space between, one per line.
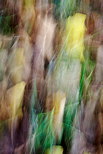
14 97
29 3
59 100
17 64
55 150
74 35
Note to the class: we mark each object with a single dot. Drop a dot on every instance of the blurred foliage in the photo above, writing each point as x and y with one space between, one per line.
65 8
6 27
